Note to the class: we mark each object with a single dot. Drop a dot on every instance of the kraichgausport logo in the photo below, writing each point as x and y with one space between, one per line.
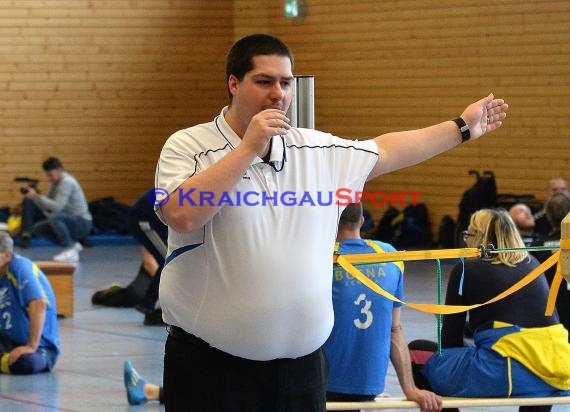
342 197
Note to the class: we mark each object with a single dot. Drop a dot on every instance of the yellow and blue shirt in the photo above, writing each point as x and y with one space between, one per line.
23 283
358 349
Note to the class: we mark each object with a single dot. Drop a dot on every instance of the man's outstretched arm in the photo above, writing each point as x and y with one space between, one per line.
402 149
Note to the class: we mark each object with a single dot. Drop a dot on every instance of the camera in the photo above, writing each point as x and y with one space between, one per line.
33 183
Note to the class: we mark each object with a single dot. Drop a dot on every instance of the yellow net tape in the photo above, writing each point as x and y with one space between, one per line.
554 287
411 255
345 261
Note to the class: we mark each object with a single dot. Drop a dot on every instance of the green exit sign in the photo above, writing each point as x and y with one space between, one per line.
293 9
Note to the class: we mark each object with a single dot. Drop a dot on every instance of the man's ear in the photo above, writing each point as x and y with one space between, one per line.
232 84
361 221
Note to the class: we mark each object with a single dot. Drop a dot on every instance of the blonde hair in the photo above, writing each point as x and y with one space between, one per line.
495 227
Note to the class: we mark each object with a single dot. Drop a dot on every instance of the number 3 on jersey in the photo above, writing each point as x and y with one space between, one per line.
365 310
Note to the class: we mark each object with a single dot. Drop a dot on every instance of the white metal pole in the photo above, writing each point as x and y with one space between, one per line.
302 109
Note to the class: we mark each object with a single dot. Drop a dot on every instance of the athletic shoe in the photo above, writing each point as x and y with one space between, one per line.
78 246
134 384
115 296
69 255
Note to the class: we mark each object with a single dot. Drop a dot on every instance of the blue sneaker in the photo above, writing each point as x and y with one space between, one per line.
134 384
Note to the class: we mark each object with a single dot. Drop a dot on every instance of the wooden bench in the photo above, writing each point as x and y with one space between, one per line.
60 276
448 402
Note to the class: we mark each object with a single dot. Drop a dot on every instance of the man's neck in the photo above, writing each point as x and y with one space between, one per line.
348 234
232 119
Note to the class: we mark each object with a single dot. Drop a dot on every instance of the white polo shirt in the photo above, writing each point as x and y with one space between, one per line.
255 281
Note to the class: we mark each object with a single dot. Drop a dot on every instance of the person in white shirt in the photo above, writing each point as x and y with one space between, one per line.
246 286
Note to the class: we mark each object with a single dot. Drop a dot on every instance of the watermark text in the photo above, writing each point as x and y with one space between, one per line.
341 197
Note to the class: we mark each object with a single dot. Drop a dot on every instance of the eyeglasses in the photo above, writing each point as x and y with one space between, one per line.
466 234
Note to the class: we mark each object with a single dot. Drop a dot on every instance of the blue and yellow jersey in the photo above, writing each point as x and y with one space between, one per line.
23 283
358 348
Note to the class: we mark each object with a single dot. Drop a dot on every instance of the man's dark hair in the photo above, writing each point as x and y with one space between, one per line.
52 163
240 56
557 207
351 216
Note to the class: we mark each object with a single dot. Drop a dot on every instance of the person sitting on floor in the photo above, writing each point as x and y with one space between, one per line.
543 226
62 216
367 331
557 207
29 337
524 221
142 292
518 352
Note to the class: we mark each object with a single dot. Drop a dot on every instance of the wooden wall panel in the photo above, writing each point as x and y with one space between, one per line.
103 83
392 65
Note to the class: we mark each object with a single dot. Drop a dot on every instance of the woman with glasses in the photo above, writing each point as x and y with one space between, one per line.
518 351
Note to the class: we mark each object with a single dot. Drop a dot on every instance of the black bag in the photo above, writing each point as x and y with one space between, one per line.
389 226
483 194
408 228
446 232
416 229
109 216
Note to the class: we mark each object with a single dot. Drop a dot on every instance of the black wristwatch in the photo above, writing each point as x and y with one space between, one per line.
463 128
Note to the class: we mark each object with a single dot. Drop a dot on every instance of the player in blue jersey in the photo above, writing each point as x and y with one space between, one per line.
29 339
367 330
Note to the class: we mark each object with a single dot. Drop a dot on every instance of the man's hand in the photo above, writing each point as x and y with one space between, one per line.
19 351
262 127
485 115
428 401
31 193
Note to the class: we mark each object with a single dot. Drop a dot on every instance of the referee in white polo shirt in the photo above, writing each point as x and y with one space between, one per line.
246 286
